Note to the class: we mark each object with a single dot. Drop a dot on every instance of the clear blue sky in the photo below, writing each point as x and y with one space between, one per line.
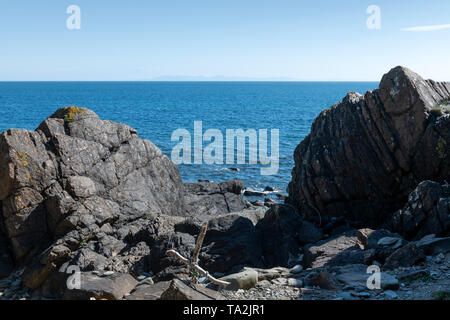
144 39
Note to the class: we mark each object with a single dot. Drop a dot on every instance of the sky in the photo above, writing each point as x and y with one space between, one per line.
134 40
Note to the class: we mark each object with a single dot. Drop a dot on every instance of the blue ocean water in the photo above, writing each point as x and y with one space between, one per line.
156 109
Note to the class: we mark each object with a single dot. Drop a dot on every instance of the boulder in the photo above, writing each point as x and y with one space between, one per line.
113 287
355 276
149 292
323 280
335 251
433 246
79 172
426 212
179 290
406 256
366 154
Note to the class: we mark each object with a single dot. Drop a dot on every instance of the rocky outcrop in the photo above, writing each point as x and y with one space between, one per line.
365 154
426 212
78 174
213 199
89 193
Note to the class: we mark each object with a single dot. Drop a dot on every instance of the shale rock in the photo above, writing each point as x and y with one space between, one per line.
365 154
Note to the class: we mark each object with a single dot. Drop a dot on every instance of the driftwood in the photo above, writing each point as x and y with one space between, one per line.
193 265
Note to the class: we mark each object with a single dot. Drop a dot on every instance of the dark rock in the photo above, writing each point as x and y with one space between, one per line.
281 196
268 202
6 262
369 238
232 240
254 193
309 233
433 246
406 256
149 292
324 280
427 212
178 290
258 203
335 251
366 154
356 276
213 199
279 235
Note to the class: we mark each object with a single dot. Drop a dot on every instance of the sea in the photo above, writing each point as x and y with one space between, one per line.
157 109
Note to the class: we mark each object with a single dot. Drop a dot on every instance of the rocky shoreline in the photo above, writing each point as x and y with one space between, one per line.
369 188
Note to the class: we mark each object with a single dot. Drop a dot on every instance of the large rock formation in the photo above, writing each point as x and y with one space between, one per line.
85 192
365 154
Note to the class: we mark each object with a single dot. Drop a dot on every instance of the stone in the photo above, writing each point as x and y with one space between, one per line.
254 193
426 212
273 273
294 282
75 181
279 235
337 250
434 246
366 154
391 242
406 256
323 280
148 291
297 269
113 287
356 276
245 280
178 290
391 295
213 199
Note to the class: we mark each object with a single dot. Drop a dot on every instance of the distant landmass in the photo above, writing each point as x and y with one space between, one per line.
216 78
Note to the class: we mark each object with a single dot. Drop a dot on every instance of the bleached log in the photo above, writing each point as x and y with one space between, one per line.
196 267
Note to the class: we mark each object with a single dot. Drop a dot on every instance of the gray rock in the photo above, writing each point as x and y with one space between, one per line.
178 290
355 275
245 280
279 235
366 154
149 292
114 287
406 256
335 251
391 295
297 269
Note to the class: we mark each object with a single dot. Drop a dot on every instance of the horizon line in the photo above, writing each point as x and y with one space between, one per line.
189 81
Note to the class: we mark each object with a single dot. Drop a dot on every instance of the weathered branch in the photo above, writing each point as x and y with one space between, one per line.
196 267
199 243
